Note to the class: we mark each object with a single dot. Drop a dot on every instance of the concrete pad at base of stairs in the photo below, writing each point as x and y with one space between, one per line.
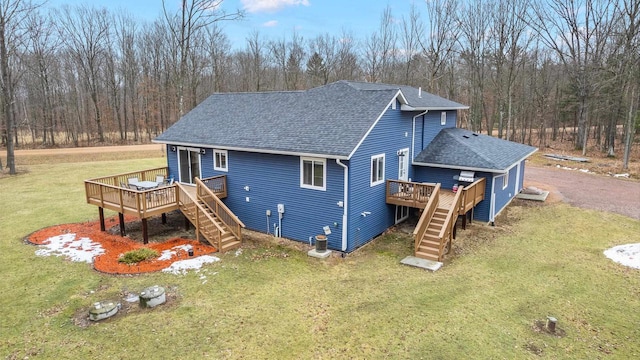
421 263
319 255
534 197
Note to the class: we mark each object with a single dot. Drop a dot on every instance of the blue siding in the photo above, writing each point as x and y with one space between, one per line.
430 127
391 133
172 163
445 178
273 180
504 197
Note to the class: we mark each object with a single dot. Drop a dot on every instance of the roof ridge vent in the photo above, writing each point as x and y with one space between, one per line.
474 134
465 136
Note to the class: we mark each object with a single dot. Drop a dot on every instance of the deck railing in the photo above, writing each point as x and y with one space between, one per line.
407 193
142 203
141 175
472 195
427 215
446 232
185 202
217 184
209 197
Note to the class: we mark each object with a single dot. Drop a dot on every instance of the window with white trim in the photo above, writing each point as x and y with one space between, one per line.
443 118
505 181
220 160
313 172
377 169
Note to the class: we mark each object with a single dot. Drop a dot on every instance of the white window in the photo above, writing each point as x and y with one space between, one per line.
377 169
443 118
220 160
313 173
505 181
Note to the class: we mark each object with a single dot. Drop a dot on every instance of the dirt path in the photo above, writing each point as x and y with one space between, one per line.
91 150
588 191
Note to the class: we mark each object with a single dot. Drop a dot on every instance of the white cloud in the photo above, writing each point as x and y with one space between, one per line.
270 23
253 6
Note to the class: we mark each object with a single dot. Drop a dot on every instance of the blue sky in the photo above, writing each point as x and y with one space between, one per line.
279 18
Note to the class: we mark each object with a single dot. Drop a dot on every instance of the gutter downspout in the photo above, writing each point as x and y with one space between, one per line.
413 135
492 205
344 204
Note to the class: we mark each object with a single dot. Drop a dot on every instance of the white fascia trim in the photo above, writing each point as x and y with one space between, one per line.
404 107
413 137
372 126
456 167
403 100
257 151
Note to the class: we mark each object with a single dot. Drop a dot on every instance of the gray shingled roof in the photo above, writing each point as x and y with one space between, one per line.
328 120
460 148
415 98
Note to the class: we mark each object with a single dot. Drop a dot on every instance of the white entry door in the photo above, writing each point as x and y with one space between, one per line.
403 164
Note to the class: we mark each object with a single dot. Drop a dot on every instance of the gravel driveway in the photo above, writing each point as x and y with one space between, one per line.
588 191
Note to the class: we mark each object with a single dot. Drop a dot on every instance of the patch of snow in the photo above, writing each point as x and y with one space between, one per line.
625 175
182 266
132 298
81 250
238 252
168 254
627 255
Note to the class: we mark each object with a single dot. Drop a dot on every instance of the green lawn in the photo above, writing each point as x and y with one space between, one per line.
274 302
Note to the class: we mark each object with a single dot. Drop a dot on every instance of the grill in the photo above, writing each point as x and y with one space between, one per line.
465 177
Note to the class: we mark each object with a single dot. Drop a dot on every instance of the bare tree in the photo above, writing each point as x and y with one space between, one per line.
440 42
13 14
192 16
578 31
85 30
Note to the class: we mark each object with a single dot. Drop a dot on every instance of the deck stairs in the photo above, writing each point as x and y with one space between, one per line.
208 222
431 245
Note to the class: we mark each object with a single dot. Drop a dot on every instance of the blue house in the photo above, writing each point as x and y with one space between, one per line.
348 159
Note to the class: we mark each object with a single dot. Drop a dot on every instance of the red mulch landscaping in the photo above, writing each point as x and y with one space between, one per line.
115 245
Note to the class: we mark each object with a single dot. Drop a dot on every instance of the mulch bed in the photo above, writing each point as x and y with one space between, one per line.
116 245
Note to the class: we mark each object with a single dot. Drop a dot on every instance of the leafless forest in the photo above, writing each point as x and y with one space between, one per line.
531 71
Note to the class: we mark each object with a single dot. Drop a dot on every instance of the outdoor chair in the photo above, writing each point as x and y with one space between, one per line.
132 180
160 179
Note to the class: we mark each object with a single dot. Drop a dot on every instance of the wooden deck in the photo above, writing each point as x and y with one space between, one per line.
112 193
441 208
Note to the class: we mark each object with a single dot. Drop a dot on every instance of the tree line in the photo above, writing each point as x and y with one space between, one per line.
530 70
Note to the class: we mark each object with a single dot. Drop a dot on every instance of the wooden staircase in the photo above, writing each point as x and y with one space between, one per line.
429 247
434 232
211 218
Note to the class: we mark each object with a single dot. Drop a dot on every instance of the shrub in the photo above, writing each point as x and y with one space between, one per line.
135 256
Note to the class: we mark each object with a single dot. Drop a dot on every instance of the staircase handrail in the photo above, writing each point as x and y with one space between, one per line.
427 215
185 195
447 225
221 211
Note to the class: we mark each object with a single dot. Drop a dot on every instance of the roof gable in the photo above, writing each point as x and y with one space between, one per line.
460 148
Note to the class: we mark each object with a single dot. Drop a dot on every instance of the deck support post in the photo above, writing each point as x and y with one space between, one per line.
145 234
122 230
164 219
464 221
101 215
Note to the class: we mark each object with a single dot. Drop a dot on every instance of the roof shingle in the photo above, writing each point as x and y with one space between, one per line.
460 148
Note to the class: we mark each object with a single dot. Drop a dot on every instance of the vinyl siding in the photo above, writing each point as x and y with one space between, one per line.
390 134
445 178
273 180
430 127
504 197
